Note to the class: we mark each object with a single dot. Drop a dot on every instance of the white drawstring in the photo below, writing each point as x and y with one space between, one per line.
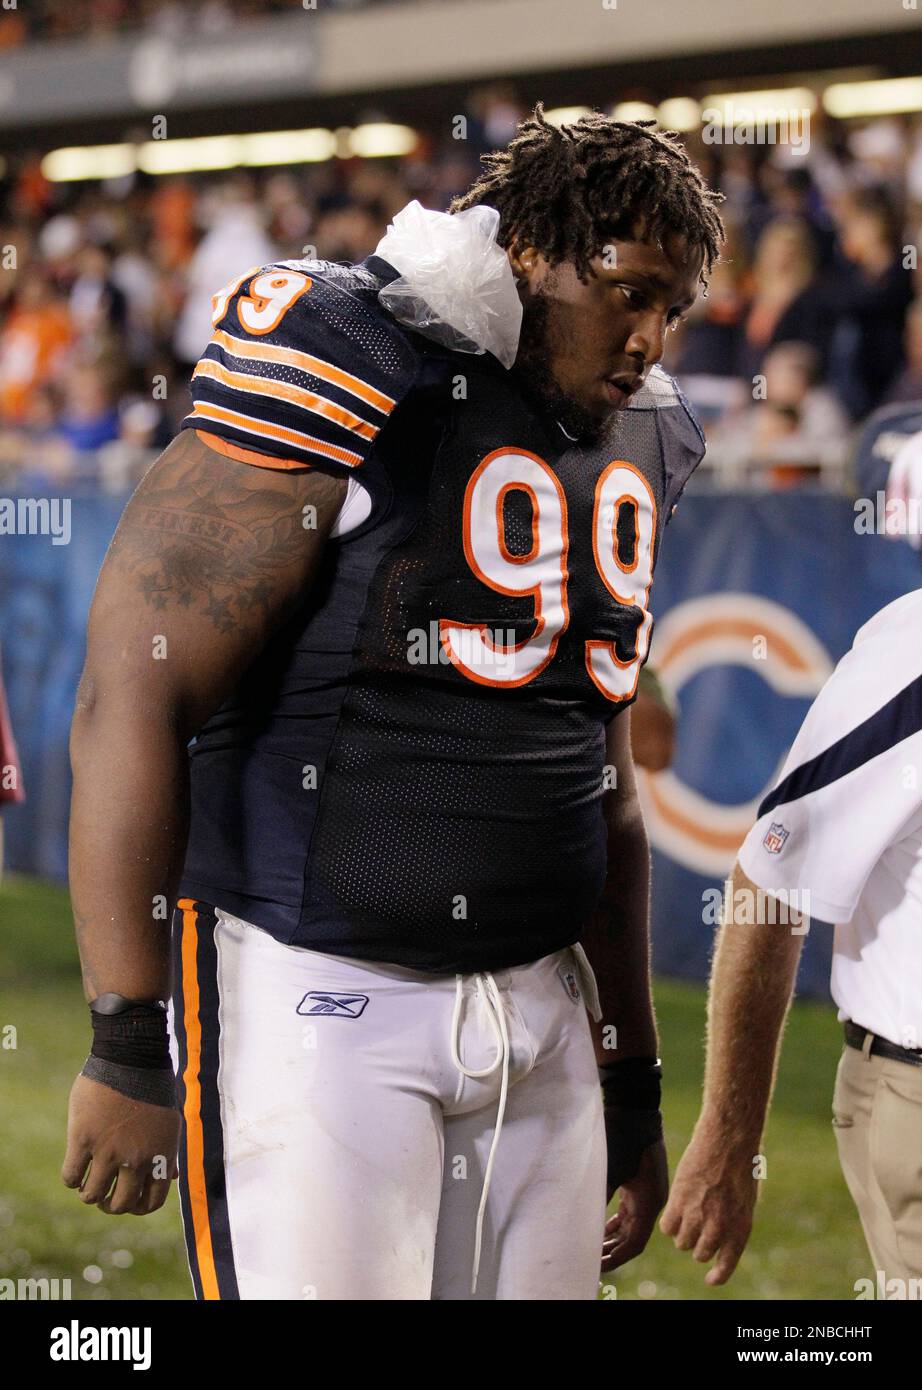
489 993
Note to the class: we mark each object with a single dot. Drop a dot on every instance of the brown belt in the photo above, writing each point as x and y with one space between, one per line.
856 1036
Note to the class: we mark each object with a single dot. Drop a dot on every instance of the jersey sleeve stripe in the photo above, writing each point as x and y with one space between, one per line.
895 721
233 451
206 411
283 390
305 362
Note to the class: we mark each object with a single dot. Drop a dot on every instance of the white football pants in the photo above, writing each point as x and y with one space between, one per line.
354 1130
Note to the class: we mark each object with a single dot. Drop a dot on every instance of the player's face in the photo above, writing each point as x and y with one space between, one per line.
586 347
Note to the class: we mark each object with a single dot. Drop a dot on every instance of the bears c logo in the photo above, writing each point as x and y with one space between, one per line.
720 630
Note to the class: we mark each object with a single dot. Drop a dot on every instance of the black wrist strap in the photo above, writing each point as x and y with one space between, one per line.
153 1086
118 1004
131 1049
135 1036
628 1134
633 1083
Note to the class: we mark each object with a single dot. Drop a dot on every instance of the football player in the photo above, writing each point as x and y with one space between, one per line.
356 703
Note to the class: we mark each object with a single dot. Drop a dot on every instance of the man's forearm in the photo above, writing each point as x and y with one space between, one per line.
752 980
129 816
617 942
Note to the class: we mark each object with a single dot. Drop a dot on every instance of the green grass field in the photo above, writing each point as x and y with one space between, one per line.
806 1243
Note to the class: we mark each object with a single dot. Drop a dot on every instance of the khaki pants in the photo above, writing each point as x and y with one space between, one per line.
877 1116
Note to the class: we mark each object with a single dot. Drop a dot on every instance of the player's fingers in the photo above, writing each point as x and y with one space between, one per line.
671 1219
614 1223
76 1162
126 1193
98 1181
708 1243
150 1196
155 1194
624 1250
727 1261
689 1232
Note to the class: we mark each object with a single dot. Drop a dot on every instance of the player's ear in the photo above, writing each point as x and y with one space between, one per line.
524 261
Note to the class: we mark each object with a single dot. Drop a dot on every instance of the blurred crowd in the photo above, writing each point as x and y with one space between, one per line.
100 19
812 319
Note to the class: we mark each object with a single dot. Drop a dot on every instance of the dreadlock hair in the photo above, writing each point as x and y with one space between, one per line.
568 190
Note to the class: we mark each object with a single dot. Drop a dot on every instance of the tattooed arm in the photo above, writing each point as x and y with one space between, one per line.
210 557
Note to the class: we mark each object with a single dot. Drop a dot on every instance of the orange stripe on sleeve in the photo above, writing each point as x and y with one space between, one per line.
195 1141
305 362
204 410
284 391
233 451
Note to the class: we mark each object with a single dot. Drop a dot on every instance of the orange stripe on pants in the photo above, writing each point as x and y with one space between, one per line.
195 1142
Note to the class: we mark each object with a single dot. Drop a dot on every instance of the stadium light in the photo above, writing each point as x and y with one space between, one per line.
885 97
634 111
72 163
209 152
192 155
734 108
563 115
679 113
289 146
380 139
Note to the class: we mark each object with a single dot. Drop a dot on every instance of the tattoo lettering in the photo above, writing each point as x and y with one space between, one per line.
205 533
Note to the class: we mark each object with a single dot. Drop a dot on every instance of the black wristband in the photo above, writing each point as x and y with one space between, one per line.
628 1134
117 1004
136 1037
632 1083
154 1086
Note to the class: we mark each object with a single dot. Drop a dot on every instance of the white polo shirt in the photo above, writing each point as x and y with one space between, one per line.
844 822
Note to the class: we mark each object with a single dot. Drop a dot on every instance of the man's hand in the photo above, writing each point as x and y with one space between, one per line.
122 1141
642 1198
711 1204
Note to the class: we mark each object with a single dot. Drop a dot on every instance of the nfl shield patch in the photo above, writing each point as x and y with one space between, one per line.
568 980
775 837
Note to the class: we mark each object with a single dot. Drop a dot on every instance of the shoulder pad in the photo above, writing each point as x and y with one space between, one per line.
304 364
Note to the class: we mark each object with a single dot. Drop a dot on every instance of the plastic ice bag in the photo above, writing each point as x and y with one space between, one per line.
455 283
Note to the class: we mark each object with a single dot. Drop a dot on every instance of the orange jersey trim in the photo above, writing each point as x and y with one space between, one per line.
283 390
305 362
192 1110
233 451
204 410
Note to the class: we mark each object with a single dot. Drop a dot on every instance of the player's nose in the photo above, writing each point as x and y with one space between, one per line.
647 341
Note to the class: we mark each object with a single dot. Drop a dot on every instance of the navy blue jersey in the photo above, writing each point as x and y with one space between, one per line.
412 770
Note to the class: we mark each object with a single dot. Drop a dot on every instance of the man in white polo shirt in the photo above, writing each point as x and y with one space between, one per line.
839 839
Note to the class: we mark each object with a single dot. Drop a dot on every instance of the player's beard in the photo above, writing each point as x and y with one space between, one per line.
540 336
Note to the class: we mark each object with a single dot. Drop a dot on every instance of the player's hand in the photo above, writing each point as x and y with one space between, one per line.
121 1153
711 1205
642 1198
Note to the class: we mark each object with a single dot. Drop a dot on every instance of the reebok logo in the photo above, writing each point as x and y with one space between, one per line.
319 1001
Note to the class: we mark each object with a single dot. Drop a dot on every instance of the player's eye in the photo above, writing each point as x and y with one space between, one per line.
635 298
